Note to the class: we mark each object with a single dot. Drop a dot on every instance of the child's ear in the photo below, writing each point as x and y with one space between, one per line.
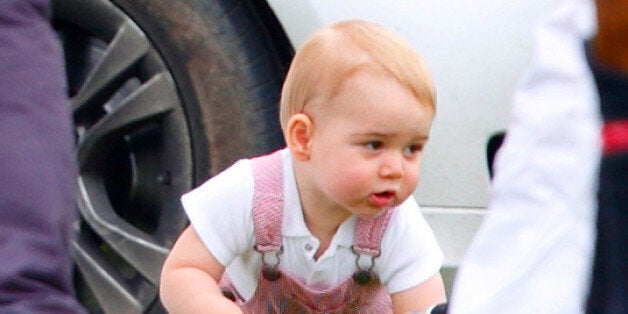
298 135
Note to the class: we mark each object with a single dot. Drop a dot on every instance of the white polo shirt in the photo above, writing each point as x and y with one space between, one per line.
220 211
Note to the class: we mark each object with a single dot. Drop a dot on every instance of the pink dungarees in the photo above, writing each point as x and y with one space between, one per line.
280 292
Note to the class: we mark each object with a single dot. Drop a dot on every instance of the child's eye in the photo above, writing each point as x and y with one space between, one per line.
373 145
413 149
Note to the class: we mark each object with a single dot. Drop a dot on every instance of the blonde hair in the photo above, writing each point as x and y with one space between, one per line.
336 52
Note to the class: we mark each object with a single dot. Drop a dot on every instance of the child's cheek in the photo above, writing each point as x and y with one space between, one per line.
353 182
411 181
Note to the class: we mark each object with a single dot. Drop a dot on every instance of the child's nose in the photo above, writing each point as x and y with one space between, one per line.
392 165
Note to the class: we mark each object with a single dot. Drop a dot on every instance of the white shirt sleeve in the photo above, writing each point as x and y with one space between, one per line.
410 253
532 253
220 210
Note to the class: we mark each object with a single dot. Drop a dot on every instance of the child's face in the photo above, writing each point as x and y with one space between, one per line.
367 145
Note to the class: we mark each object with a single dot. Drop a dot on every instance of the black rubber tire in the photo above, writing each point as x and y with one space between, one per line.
228 68
208 73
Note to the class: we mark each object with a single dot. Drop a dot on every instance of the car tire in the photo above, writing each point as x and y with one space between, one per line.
164 95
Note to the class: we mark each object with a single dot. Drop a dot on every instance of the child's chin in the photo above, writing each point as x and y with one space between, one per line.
372 212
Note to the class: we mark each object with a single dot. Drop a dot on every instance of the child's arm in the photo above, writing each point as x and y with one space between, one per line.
189 279
421 297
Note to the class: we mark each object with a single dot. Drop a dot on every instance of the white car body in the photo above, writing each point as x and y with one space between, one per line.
476 51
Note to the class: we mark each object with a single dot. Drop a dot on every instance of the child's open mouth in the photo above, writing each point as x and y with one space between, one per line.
382 199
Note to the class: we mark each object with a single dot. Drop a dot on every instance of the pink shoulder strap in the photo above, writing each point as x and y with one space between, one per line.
369 233
268 201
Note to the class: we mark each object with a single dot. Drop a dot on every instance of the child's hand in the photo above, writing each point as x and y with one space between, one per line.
611 42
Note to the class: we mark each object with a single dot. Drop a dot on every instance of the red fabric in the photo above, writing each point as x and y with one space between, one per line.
615 137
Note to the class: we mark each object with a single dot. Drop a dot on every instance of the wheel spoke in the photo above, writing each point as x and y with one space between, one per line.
104 282
137 248
151 100
125 50
134 151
